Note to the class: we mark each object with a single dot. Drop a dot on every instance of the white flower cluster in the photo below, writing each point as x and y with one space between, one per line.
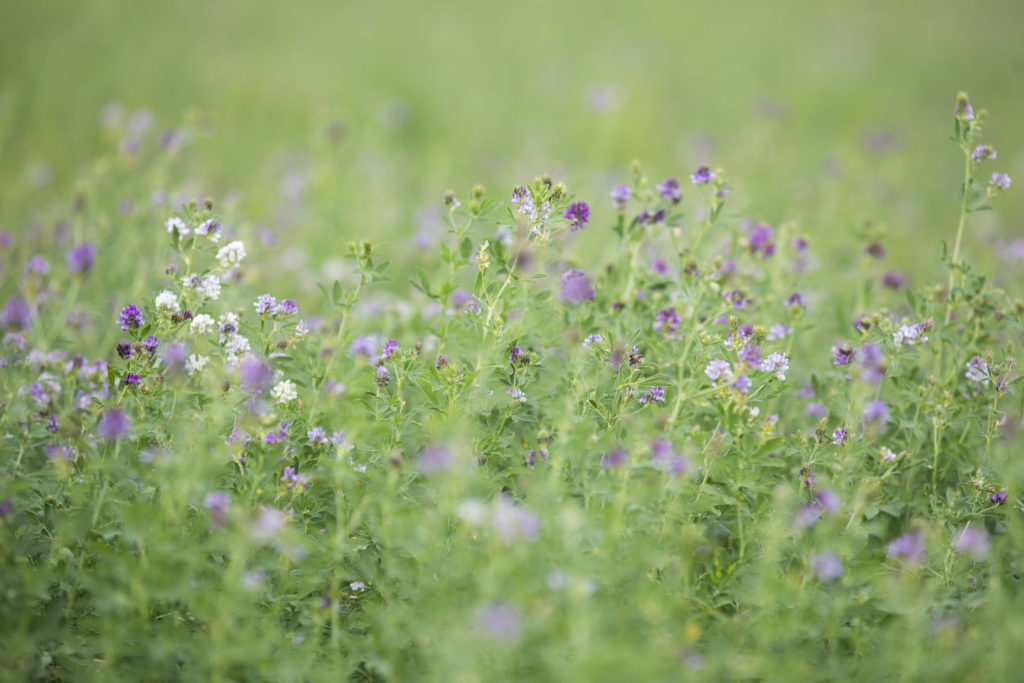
167 302
174 223
210 228
234 343
777 363
284 392
231 254
207 285
909 335
202 324
195 363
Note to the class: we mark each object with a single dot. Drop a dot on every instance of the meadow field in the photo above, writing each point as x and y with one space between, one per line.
539 341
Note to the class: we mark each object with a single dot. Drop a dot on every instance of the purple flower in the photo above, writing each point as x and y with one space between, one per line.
648 218
778 363
436 459
5 508
908 547
718 369
81 257
114 424
17 314
265 305
279 435
614 458
52 426
742 383
575 287
130 318
442 361
751 355
1000 181
702 175
500 621
809 476
666 321
460 297
132 380
363 346
174 356
876 412
977 370
963 108
655 395
37 264
390 346
982 152
839 436
516 394
150 345
892 280
827 500
620 195
827 567
217 504
381 376
795 299
578 213
875 250
998 498
972 541
124 350
871 358
635 357
842 354
512 521
516 356
806 516
669 190
254 374
288 307
761 240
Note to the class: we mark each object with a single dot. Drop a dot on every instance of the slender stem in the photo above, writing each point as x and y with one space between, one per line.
959 232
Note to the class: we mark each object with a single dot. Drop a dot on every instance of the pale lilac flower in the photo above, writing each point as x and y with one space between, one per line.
210 228
17 314
892 280
742 384
669 190
876 412
1000 181
512 521
977 370
114 424
436 459
871 358
254 374
614 458
777 363
620 195
268 524
718 369
516 394
963 108
231 254
363 346
908 547
575 287
982 152
827 567
265 305
973 541
593 339
382 376
827 500
777 332
666 321
217 504
287 307
500 621
655 395
909 335
839 436
842 354
390 346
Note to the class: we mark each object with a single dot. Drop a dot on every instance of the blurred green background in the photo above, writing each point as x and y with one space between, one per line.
333 120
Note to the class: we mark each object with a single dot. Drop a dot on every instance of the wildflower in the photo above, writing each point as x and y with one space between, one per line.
195 363
287 307
875 250
363 346
124 350
254 374
279 435
150 345
982 152
578 214
871 358
357 587
231 254
760 240
827 500
827 567
512 521
130 318
202 324
217 504
751 355
963 110
816 410
209 228
284 392
742 384
381 376
114 424
516 356
81 257
777 363
877 413
977 370
655 395
648 218
517 394
209 286
390 346
593 339
702 176
909 335
435 459
167 302
971 541
842 354
669 190
998 498
1000 181
666 321
887 454
265 305
718 369
635 357
614 458
809 476
575 287
908 547
795 299
892 280
17 314
777 332
37 264
291 478
442 361
499 621
176 224
268 524
620 194
839 436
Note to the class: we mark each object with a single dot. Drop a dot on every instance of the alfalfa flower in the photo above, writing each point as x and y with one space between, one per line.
115 424
231 255
284 392
176 224
577 214
977 370
972 541
999 181
669 190
167 302
777 363
827 567
575 287
908 547
130 318
702 176
81 257
620 195
982 152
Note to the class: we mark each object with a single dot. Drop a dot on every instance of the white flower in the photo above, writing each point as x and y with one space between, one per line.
202 324
301 329
195 363
284 392
167 301
210 228
235 345
209 287
174 223
231 254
